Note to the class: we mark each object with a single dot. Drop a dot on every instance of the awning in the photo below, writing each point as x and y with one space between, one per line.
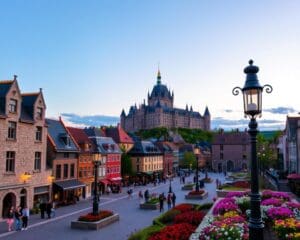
70 184
115 179
293 176
104 181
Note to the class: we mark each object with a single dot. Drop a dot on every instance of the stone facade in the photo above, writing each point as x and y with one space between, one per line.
25 178
231 151
160 112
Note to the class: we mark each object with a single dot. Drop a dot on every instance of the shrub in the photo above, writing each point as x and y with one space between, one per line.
91 218
192 217
180 231
145 233
153 201
200 192
166 218
241 184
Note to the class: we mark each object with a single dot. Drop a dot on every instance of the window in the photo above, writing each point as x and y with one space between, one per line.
39 113
244 147
137 168
221 156
244 156
37 161
12 130
72 170
66 155
66 170
221 147
38 133
12 106
10 161
58 171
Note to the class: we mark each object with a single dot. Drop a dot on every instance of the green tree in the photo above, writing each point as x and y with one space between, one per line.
126 165
189 160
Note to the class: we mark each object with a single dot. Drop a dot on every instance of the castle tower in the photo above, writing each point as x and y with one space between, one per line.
206 119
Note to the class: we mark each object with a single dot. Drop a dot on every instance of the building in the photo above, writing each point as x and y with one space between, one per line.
167 158
146 159
111 154
160 112
118 134
175 151
292 130
230 151
87 156
62 157
25 178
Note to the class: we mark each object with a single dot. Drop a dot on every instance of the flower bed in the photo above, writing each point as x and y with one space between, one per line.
230 214
94 218
176 224
201 194
188 186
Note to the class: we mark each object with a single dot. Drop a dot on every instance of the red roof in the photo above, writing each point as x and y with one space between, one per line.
80 137
118 134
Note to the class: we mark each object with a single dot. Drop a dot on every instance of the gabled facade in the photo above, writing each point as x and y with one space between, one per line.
230 151
88 153
25 178
168 157
118 134
62 157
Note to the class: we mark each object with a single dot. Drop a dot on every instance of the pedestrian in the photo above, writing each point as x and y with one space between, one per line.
25 217
10 219
169 200
53 210
43 209
48 209
217 183
129 193
141 197
108 190
161 202
18 216
173 199
146 195
183 179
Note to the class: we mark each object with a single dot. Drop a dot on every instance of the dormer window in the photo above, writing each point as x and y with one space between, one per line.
39 113
66 139
12 108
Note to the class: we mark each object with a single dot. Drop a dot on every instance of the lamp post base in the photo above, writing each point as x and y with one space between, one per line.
95 208
256 233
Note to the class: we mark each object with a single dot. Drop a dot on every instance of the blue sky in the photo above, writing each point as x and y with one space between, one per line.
97 57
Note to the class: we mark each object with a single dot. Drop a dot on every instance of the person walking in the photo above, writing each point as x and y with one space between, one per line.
18 216
141 197
42 209
146 195
25 217
10 219
169 200
161 202
173 199
53 210
48 209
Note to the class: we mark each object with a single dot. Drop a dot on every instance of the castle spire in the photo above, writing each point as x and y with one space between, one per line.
158 77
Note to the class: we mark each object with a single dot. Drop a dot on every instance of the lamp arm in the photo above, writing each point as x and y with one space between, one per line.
268 87
236 91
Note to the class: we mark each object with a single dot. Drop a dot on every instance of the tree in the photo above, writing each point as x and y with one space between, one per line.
189 160
126 165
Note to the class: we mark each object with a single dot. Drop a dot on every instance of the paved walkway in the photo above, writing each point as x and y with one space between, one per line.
131 217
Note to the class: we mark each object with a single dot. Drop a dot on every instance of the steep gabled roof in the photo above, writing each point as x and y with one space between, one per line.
4 88
144 148
27 108
118 134
81 138
60 136
105 145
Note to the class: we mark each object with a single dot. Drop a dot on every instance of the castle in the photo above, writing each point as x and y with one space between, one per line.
160 112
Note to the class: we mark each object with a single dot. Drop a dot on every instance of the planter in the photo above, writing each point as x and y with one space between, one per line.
149 206
95 225
187 187
223 193
200 196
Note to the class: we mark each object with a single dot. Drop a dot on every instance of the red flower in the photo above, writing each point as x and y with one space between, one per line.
191 217
200 192
241 184
92 218
185 207
180 231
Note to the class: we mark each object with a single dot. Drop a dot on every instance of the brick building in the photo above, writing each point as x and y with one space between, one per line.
167 158
230 151
160 112
24 178
62 157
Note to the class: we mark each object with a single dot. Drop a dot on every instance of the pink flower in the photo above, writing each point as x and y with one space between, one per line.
279 213
272 201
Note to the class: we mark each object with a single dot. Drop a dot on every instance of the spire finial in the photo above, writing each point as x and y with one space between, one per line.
158 75
15 77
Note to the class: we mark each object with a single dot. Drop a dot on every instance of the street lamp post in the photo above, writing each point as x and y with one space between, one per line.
197 152
97 163
252 97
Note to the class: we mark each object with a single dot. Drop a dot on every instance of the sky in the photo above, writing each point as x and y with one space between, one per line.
94 58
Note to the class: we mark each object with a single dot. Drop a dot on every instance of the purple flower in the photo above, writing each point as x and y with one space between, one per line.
272 201
225 205
236 194
279 213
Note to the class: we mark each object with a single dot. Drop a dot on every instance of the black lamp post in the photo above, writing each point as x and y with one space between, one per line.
197 152
252 95
97 163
